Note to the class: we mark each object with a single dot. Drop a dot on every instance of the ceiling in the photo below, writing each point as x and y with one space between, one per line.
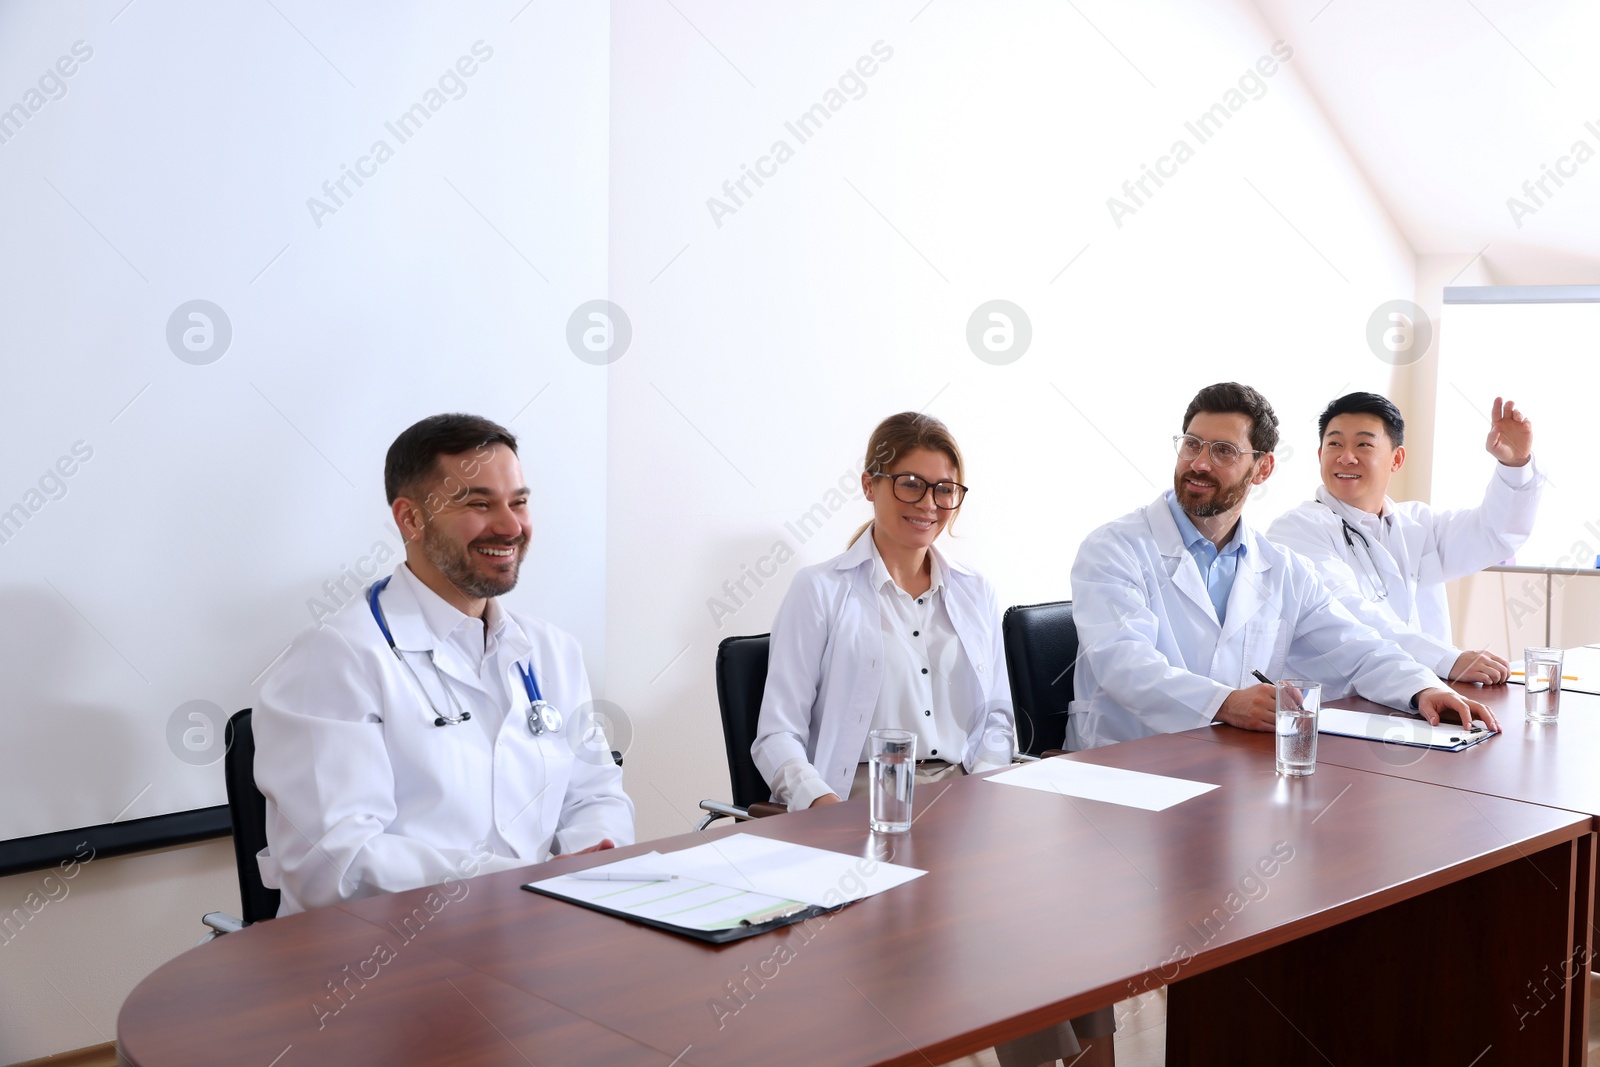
1450 106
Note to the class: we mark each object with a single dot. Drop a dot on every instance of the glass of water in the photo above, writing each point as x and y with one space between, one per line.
1542 672
893 773
1299 700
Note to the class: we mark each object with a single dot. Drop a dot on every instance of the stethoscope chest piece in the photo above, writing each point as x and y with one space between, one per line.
543 718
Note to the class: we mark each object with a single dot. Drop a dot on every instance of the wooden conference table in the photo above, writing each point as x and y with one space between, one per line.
1349 917
1556 764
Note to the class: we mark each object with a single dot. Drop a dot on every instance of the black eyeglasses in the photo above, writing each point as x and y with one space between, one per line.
908 488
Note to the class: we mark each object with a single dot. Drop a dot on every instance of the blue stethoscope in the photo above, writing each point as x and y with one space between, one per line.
543 717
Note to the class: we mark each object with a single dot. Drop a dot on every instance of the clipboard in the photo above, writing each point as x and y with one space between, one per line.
745 928
1398 730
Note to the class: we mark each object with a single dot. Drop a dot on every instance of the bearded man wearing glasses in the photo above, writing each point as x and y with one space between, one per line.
1181 607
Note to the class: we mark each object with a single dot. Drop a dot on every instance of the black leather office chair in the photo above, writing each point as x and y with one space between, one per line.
741 679
1041 654
248 810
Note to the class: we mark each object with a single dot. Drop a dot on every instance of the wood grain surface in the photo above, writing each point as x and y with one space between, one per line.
1036 907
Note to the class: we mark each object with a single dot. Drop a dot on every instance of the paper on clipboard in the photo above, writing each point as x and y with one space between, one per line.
730 881
691 903
784 869
1397 729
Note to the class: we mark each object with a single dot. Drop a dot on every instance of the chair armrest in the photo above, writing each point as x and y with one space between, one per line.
222 922
716 809
723 810
1049 752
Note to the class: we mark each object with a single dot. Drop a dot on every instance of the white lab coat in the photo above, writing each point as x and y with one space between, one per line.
826 668
1153 659
366 795
1422 551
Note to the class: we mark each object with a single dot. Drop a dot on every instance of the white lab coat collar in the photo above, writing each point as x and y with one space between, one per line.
819 707
1245 600
864 552
1355 516
423 621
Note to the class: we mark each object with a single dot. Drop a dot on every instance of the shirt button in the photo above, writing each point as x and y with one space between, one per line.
916 633
928 712
924 670
934 752
919 600
980 668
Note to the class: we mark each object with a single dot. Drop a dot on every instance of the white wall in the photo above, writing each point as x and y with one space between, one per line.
183 556
976 166
218 499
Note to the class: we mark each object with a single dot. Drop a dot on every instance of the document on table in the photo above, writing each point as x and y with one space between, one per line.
1397 729
1580 670
733 885
781 868
1113 785
687 902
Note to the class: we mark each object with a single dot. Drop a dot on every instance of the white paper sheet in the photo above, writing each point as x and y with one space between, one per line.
1113 785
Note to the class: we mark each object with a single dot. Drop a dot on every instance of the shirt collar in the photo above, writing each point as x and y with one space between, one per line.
1192 537
879 573
445 622
1354 515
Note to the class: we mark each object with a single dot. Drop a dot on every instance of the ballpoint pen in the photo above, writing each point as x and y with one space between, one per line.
621 876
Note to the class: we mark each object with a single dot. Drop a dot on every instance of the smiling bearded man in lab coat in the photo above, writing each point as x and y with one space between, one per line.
1396 558
394 743
1179 602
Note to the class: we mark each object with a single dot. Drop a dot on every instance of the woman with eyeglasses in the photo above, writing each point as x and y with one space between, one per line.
893 634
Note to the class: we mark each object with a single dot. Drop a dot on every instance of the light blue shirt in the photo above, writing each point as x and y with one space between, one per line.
1217 569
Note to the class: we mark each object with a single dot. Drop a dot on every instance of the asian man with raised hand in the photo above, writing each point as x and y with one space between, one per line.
1396 558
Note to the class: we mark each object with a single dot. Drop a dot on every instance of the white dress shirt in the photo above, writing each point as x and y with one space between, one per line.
921 653
827 671
1415 550
366 795
1153 657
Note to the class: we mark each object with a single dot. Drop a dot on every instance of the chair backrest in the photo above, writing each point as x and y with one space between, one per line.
741 679
248 809
1041 653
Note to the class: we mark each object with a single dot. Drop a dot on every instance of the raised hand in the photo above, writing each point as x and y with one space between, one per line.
1510 434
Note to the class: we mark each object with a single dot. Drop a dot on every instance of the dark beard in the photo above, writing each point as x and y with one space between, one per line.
455 563
1224 499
